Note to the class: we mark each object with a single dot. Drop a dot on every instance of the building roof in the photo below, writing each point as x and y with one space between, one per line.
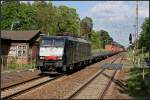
19 35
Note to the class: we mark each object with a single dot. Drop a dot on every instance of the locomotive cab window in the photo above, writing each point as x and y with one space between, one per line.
59 42
53 42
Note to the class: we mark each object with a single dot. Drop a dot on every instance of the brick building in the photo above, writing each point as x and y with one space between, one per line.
21 45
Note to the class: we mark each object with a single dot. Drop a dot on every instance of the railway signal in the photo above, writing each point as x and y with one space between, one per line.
130 39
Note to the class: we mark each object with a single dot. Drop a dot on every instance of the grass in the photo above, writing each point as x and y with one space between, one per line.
11 66
14 67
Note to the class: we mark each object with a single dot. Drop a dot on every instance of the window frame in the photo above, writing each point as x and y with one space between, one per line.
22 48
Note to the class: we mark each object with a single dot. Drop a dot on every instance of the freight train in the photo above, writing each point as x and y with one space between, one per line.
114 47
65 53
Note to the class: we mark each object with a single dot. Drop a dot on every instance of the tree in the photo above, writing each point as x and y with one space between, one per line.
95 40
68 20
45 15
86 26
145 35
17 16
25 17
9 14
104 38
39 15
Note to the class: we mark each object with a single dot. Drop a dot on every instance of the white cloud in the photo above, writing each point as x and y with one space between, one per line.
111 10
118 10
144 9
118 17
27 1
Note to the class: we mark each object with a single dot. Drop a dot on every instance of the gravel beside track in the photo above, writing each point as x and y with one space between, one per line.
8 79
64 86
92 91
21 88
109 84
119 86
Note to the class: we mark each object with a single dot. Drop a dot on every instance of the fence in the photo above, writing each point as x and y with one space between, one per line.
139 59
10 63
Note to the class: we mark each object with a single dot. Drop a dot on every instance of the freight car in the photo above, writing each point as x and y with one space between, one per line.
114 48
62 53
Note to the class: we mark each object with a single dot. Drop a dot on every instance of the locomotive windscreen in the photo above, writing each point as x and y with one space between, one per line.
53 42
52 47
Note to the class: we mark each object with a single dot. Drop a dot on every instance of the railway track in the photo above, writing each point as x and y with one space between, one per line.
13 85
104 91
20 88
82 91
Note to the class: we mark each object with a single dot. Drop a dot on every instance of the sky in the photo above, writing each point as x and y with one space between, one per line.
116 17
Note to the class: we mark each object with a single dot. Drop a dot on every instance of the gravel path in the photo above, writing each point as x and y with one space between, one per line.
62 87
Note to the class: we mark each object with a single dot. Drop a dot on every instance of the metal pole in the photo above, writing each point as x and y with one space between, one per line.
12 26
0 51
137 29
149 48
137 22
136 32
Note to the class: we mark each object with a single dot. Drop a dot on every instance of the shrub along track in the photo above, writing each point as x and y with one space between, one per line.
64 86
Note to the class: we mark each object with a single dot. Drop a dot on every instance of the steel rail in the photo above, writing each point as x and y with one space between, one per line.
19 83
102 94
30 88
104 91
89 81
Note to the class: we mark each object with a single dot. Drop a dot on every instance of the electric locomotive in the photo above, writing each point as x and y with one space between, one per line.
62 53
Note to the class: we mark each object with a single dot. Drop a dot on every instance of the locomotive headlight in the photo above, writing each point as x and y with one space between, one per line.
41 57
59 57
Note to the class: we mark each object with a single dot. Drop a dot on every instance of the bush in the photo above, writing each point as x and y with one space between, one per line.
136 85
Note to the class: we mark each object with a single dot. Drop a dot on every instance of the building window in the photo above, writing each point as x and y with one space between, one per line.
22 51
12 50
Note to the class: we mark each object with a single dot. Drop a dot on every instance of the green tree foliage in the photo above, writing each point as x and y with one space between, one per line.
14 11
45 16
104 38
25 17
95 40
86 25
145 35
9 14
39 15
68 20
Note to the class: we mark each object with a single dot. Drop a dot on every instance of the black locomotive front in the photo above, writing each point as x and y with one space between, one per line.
51 51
